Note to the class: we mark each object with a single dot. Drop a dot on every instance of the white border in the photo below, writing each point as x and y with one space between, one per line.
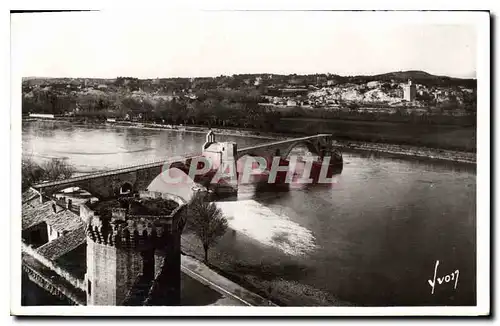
483 178
481 20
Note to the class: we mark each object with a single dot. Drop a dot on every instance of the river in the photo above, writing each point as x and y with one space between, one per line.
372 238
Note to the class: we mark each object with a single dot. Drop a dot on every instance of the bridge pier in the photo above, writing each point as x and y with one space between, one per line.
223 169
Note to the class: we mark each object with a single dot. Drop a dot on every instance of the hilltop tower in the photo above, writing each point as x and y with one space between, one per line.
127 254
409 91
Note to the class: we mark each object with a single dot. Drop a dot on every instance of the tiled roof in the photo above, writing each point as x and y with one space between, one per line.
64 244
64 220
29 195
34 212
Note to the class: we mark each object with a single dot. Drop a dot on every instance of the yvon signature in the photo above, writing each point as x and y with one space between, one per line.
447 278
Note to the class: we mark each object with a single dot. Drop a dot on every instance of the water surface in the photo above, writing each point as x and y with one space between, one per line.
372 238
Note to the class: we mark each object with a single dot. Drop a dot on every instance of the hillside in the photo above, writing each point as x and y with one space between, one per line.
417 76
405 75
255 100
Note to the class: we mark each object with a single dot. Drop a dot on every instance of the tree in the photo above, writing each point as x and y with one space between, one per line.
54 169
30 173
206 220
57 169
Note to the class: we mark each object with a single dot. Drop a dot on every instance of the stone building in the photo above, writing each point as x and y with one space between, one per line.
127 254
409 91
115 256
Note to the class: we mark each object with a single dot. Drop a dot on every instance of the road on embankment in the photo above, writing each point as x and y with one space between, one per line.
234 294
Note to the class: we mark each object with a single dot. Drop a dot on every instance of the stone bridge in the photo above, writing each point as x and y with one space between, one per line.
320 145
110 184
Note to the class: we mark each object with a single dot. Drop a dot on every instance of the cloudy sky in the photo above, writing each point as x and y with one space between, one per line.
195 43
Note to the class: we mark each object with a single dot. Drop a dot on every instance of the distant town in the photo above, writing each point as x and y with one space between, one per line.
312 91
270 102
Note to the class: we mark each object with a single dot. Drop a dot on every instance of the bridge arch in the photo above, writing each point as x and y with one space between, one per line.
114 183
313 147
281 151
126 188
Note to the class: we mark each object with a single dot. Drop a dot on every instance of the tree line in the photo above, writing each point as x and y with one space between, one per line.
222 108
219 107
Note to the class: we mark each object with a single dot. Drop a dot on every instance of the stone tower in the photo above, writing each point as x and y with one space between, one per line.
127 254
410 91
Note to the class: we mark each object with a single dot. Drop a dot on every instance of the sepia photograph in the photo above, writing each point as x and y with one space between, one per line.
205 162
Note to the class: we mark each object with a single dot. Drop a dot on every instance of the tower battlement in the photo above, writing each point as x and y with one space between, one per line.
127 247
126 230
133 231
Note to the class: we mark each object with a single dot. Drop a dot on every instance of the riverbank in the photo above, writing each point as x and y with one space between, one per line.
263 283
234 294
411 151
344 145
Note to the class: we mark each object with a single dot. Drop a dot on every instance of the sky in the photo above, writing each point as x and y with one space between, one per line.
161 44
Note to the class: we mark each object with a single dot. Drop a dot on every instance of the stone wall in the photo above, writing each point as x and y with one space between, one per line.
111 272
129 265
101 274
115 248
163 195
146 176
78 283
86 214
